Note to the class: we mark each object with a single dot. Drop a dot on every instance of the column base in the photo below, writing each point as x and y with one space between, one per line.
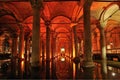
88 72
88 64
88 68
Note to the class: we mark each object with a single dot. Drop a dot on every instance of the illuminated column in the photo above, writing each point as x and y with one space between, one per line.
47 23
88 62
35 55
75 41
21 41
103 50
43 54
54 46
14 54
71 47
21 49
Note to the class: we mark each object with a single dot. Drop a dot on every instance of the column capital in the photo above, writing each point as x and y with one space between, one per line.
37 4
73 24
21 26
47 23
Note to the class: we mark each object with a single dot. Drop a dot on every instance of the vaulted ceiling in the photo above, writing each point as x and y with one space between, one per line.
61 13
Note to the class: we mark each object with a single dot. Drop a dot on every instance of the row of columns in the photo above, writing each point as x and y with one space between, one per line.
88 62
18 51
35 63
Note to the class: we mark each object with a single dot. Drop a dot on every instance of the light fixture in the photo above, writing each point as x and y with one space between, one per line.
62 59
113 73
62 49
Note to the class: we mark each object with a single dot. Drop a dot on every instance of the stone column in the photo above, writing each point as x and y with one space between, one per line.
14 55
88 62
35 55
76 59
21 41
103 50
71 47
21 50
53 48
47 50
43 54
27 43
75 41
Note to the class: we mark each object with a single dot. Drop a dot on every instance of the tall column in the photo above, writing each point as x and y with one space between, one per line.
71 47
75 41
103 50
76 59
14 55
35 55
21 49
88 62
53 48
21 41
47 50
43 54
26 54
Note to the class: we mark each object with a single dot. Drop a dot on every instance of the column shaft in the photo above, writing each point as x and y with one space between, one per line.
75 41
21 50
21 42
47 52
103 51
88 62
26 55
14 56
36 38
43 54
35 55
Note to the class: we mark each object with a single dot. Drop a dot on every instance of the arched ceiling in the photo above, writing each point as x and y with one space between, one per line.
60 13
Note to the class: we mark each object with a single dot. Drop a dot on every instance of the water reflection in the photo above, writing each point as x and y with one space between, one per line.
74 71
63 69
66 69
113 73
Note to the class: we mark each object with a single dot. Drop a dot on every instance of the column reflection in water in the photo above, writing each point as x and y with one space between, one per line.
74 71
104 69
13 68
63 69
22 66
100 71
88 72
97 71
21 69
53 68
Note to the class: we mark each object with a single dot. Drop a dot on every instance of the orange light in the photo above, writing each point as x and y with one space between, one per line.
62 49
22 56
108 46
22 65
62 59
